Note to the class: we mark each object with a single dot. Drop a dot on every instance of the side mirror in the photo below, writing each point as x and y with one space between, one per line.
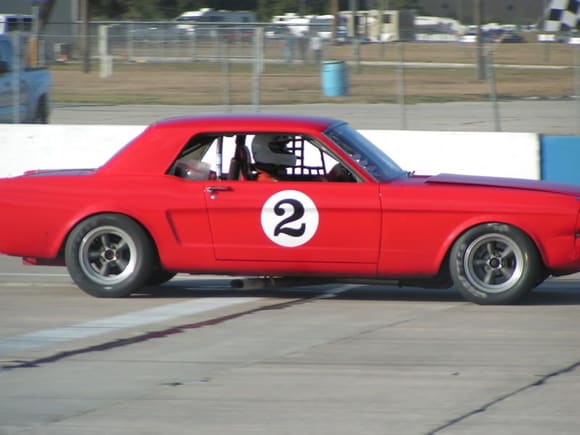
4 67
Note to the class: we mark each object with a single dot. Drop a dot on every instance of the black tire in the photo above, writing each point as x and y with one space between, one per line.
109 256
494 264
160 276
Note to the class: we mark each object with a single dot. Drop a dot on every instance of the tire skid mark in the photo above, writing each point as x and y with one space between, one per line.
141 338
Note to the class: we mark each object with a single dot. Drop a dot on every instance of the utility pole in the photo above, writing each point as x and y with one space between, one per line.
46 7
353 6
478 15
334 13
301 10
354 33
85 46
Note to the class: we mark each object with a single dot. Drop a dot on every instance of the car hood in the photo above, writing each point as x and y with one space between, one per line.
514 183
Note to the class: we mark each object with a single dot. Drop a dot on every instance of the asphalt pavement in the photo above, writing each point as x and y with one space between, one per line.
553 117
198 356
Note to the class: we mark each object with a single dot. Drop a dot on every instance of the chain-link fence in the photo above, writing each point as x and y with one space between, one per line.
249 63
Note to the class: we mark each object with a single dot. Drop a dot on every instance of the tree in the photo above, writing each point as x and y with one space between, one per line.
44 14
108 9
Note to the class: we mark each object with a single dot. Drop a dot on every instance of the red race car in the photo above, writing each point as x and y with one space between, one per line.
286 196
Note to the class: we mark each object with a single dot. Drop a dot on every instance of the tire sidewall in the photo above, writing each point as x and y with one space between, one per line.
531 265
144 256
160 276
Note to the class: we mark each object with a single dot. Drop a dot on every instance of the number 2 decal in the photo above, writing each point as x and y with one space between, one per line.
296 215
289 218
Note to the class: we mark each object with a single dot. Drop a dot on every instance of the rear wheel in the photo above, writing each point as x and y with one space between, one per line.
494 264
109 256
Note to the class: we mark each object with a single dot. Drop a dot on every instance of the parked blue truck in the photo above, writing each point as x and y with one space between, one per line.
24 90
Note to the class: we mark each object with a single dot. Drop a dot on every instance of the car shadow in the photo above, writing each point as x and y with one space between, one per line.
549 293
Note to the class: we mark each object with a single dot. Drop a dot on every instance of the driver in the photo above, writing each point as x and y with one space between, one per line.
271 156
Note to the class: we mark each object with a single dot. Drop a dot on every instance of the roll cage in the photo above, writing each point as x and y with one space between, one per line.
230 158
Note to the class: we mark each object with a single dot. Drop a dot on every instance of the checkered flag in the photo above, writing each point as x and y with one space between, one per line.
563 15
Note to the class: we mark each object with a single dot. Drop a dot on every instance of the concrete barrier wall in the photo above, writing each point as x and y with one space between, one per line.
515 155
25 147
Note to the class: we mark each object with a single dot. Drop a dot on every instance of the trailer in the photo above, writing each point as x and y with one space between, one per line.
207 21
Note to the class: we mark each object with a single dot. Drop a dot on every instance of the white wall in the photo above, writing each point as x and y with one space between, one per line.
514 155
25 147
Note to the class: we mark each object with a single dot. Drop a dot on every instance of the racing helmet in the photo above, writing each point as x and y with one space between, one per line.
270 149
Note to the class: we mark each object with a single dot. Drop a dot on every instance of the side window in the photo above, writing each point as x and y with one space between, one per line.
189 163
261 156
191 169
213 156
288 157
315 163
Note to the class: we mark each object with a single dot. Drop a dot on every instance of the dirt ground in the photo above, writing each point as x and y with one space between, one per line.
378 78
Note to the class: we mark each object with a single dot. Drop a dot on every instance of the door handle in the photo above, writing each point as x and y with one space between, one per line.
214 189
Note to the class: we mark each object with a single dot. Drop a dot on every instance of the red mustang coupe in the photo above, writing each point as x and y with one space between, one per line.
282 196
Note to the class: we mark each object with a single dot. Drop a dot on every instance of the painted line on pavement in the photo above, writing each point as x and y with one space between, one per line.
168 331
28 275
46 337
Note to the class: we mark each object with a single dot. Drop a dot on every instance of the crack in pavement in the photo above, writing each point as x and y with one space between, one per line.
543 380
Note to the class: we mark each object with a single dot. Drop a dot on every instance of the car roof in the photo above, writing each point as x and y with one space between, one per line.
154 149
249 122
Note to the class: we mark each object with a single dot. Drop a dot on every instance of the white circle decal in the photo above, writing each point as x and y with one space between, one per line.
289 218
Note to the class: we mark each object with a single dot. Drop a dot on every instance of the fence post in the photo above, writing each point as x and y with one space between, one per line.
401 85
194 50
106 60
478 14
15 85
85 45
226 72
129 37
258 66
490 72
576 50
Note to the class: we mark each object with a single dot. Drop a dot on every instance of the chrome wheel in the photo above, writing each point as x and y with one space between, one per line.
107 255
110 256
493 263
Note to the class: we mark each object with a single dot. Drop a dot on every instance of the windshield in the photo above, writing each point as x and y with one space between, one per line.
365 153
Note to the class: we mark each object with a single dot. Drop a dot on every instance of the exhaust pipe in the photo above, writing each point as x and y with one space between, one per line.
270 282
253 283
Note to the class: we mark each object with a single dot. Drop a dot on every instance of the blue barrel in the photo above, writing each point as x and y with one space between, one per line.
334 79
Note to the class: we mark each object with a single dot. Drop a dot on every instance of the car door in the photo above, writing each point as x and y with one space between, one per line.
298 222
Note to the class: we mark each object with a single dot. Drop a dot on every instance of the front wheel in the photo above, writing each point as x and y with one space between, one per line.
494 264
160 276
109 256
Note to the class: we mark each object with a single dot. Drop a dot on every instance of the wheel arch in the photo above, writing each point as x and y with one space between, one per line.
443 255
79 221
496 263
